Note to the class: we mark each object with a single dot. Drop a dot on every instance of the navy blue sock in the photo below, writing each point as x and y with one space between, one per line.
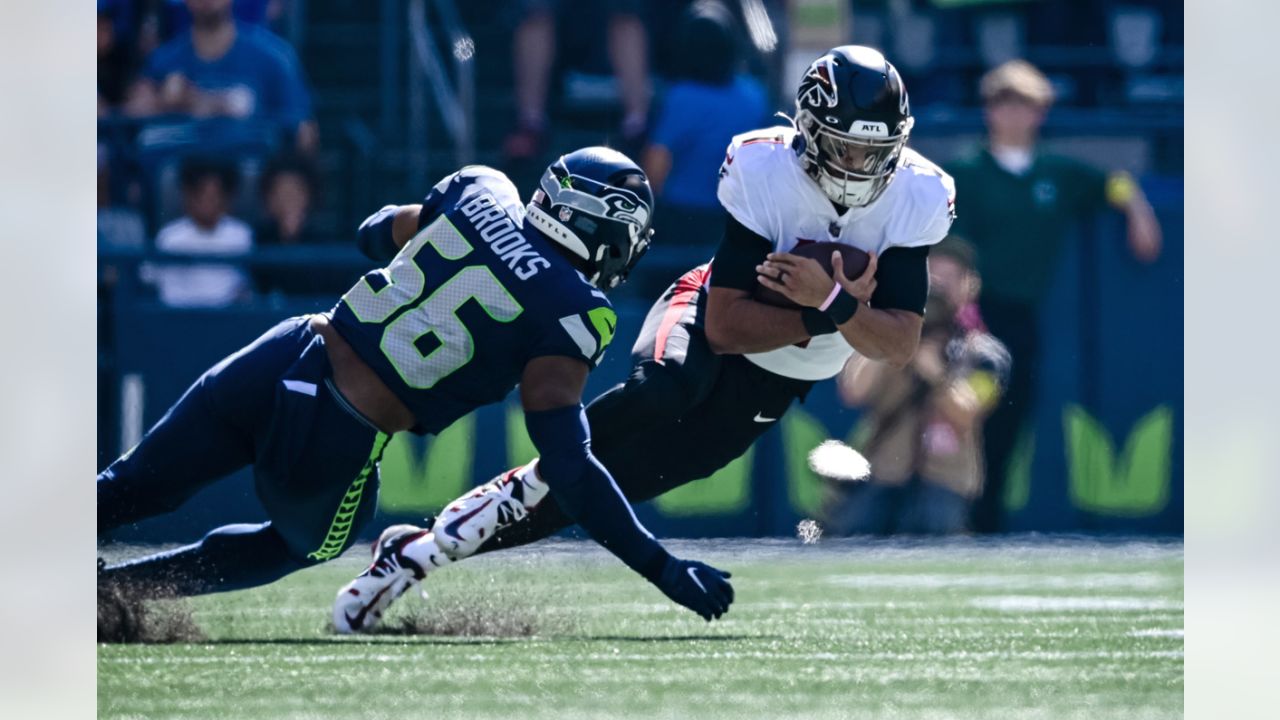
232 557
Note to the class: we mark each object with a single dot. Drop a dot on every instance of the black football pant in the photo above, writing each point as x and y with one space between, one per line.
683 413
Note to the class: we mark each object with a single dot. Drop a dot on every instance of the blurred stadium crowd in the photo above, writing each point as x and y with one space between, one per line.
241 141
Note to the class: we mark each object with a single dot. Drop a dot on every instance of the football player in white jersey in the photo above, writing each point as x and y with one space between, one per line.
713 368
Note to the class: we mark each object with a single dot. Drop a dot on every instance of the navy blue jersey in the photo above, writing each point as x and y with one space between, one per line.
451 323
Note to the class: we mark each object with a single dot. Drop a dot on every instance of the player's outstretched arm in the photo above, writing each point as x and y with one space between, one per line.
551 392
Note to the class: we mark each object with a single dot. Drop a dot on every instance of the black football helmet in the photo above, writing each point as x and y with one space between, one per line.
853 115
597 203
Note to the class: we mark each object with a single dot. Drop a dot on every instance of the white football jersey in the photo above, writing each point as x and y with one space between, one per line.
764 187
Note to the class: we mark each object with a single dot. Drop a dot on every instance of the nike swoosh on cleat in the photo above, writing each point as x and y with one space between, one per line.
760 418
452 527
357 622
693 574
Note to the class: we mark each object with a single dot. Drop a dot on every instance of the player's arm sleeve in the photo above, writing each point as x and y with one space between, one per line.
902 279
375 238
735 261
587 493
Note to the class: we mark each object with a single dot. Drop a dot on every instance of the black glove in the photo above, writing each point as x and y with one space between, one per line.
697 586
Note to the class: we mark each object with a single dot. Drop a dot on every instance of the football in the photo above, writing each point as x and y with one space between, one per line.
855 262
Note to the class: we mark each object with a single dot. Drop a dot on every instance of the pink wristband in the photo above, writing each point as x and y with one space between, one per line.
835 292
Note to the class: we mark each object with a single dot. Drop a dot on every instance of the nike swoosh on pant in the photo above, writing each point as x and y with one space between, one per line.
760 418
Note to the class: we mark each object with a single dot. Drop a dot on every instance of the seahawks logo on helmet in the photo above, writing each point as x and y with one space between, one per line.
597 204
626 209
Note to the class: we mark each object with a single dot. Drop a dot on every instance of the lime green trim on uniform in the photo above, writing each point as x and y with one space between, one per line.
451 247
457 346
344 518
605 321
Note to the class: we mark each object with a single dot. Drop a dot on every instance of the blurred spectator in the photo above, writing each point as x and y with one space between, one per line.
707 104
115 59
287 192
204 229
922 432
265 13
535 49
221 68
1016 206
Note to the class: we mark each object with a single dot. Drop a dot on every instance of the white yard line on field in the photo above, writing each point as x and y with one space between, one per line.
1039 603
947 581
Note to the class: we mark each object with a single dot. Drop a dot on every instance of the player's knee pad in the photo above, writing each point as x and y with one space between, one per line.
466 523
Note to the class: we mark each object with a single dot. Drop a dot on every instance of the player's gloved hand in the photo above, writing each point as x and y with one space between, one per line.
697 586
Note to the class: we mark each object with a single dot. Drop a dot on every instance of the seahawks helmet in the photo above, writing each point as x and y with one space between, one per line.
854 118
596 203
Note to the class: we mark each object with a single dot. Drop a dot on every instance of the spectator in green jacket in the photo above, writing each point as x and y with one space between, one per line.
1016 206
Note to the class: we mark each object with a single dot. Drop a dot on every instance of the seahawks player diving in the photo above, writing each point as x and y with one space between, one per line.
478 295
713 368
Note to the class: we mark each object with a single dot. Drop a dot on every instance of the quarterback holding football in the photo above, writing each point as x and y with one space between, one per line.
733 343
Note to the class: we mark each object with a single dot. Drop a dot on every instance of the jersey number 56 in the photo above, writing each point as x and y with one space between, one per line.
436 314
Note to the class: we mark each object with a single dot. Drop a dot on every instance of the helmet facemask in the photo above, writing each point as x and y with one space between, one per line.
853 170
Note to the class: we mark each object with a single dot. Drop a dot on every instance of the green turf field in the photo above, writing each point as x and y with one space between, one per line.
846 629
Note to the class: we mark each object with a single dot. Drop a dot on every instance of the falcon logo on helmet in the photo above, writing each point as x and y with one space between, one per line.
817 87
854 119
596 203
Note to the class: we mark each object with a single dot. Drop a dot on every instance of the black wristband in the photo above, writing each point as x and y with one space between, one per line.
842 308
816 322
652 569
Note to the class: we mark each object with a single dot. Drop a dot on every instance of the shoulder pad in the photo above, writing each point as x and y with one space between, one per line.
455 188
933 196
747 188
494 181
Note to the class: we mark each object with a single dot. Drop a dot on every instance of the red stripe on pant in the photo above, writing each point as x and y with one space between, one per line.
686 293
